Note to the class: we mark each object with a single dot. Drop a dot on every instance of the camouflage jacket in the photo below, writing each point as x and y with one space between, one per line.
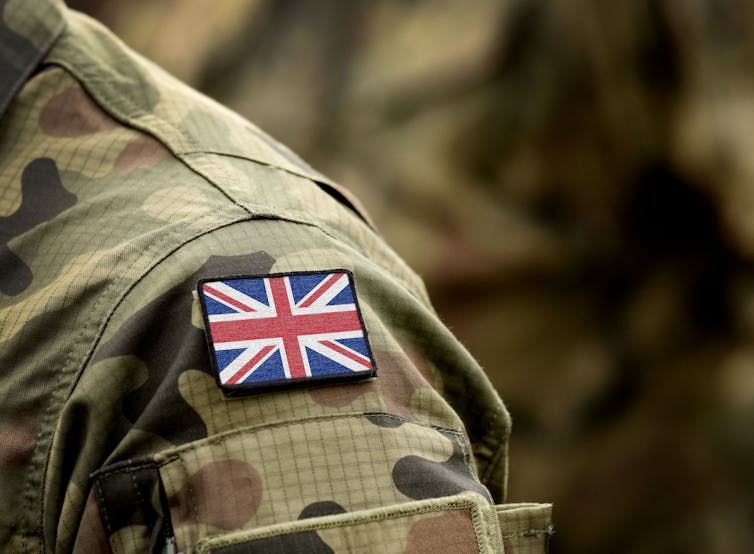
121 189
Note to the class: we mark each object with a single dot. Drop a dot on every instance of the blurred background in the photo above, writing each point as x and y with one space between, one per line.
574 180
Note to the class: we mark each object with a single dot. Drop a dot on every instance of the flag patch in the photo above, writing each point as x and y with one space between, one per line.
286 329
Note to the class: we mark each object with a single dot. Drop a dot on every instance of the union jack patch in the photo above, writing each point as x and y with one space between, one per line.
284 330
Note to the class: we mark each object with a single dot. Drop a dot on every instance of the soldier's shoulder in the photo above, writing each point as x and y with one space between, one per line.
140 94
212 140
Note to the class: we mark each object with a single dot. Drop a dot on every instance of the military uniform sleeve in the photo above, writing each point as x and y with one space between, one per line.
123 193
338 467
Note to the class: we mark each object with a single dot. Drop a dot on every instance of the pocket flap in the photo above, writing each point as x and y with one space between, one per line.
463 523
526 528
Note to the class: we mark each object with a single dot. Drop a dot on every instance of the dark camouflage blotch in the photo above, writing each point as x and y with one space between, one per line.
42 198
162 336
124 496
224 494
385 420
319 509
420 478
19 381
17 48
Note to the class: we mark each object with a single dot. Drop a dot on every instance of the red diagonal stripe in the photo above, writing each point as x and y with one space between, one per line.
323 288
256 359
225 298
347 353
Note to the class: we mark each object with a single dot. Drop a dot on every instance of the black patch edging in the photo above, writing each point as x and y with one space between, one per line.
248 389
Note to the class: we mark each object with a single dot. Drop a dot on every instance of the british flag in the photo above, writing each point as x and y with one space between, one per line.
287 328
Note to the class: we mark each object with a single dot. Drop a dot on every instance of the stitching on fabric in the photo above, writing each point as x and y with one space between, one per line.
139 496
84 74
84 77
184 156
105 472
465 447
222 437
313 176
398 513
103 506
57 391
530 533
170 235
44 49
194 499
479 531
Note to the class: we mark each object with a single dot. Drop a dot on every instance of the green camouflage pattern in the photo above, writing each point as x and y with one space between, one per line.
120 189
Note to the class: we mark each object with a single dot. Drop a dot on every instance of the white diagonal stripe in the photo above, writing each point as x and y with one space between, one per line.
235 295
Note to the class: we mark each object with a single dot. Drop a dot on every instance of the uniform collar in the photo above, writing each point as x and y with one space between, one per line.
28 28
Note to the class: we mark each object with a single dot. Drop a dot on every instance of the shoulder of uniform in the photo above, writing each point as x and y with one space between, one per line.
141 94
138 93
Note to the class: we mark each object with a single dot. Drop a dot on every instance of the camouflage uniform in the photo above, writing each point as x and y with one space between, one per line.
120 189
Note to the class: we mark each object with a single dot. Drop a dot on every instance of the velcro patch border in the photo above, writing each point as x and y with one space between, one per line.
294 329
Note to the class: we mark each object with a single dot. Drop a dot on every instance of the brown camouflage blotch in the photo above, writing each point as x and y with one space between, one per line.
17 442
400 378
451 532
91 535
72 113
143 152
397 379
224 494
427 371
337 396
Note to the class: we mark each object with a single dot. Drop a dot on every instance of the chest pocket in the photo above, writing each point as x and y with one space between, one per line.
459 524
344 483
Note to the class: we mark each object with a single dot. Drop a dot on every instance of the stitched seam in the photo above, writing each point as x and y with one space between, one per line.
195 502
479 532
456 505
530 533
222 437
42 52
139 496
313 176
84 77
103 508
125 469
465 447
170 235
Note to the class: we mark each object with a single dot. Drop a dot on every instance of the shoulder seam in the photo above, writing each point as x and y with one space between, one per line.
182 145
